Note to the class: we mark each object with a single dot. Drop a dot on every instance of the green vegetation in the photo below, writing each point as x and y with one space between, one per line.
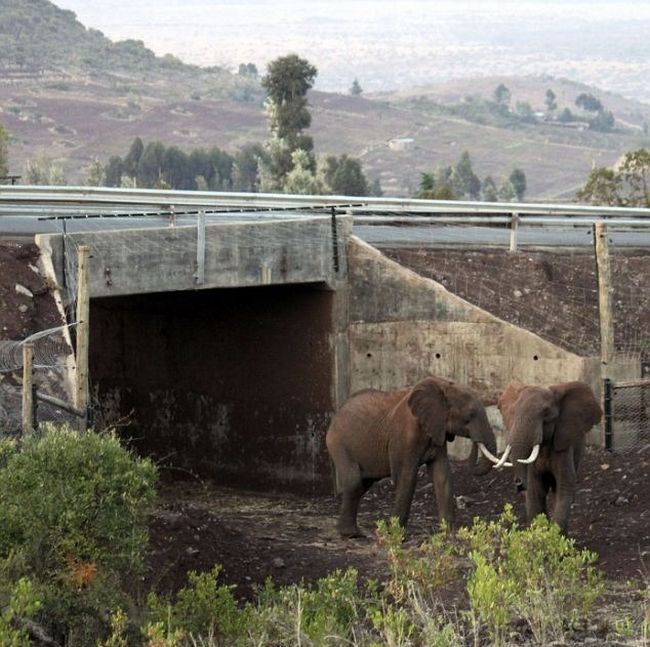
73 533
536 575
459 182
287 81
73 511
626 186
43 170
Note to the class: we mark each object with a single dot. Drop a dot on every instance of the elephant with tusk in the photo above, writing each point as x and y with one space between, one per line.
391 433
546 431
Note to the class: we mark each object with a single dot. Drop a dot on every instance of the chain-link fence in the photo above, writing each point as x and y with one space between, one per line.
627 415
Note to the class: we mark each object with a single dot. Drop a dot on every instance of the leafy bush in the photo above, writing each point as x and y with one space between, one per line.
427 568
19 605
535 574
73 513
205 607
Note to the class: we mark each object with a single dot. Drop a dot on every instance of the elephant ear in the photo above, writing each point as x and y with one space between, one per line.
579 412
429 405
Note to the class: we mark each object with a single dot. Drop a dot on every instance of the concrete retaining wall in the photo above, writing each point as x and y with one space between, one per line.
404 326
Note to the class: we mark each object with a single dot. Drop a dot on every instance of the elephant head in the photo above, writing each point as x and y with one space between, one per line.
436 399
555 417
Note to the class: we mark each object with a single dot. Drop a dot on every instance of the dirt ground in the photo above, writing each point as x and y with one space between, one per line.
289 538
257 535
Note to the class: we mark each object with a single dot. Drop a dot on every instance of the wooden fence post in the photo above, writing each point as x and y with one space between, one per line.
606 318
83 330
28 392
605 309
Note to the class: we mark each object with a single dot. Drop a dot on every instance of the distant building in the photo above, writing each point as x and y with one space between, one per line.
401 143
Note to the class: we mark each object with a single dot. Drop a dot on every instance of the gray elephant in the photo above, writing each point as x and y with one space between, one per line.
545 438
391 433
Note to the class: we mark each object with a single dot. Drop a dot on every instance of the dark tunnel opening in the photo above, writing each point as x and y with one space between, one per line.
232 384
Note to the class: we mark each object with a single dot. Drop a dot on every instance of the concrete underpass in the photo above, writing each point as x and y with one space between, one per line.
232 384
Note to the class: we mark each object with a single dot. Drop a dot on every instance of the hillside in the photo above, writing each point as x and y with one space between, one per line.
71 93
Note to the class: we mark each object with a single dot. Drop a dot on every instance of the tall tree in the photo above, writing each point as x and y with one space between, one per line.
603 186
287 81
550 100
603 121
489 189
246 167
635 171
464 181
588 102
132 158
113 171
628 185
518 180
349 178
502 95
150 166
355 89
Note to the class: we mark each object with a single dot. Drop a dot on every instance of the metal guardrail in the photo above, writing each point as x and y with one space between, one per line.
96 200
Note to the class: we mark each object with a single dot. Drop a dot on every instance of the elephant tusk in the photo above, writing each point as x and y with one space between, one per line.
487 453
503 458
532 458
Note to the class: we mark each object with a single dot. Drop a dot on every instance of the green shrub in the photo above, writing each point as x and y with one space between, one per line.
73 514
535 574
18 604
429 567
204 608
325 613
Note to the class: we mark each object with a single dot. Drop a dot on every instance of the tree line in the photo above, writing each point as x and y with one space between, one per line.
460 182
284 163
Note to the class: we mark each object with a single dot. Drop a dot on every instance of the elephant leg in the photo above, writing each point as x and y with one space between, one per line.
352 486
535 496
440 475
347 524
405 475
566 481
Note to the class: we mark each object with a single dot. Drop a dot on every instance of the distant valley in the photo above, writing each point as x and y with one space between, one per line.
87 109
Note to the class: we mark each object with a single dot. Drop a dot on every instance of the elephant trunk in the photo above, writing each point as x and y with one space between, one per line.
483 465
484 435
521 454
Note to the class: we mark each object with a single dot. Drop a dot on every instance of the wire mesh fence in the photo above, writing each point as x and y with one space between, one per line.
629 415
51 355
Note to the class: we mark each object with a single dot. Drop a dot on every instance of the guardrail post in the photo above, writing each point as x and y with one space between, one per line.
514 227
28 391
199 276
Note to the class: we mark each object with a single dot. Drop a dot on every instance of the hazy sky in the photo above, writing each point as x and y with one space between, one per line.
387 44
